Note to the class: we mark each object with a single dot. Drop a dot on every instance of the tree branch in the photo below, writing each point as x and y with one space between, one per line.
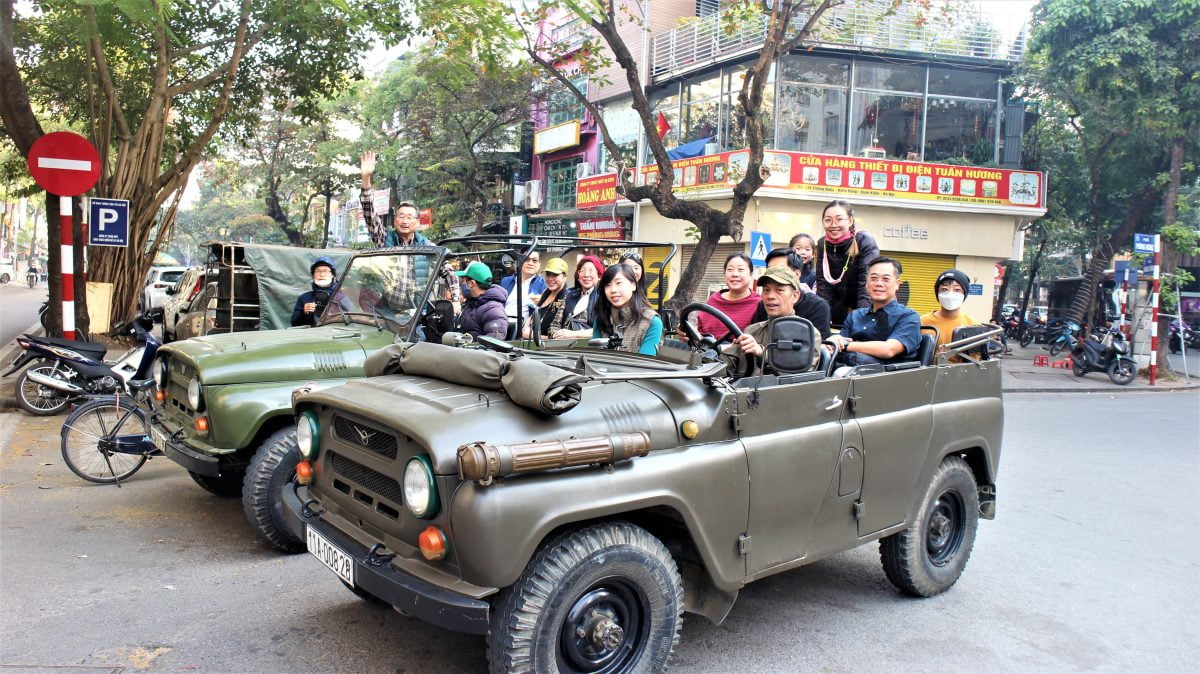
102 71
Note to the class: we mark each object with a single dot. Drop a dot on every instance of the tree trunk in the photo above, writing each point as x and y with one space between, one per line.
1033 270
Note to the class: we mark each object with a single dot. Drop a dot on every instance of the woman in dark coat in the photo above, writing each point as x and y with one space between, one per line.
842 258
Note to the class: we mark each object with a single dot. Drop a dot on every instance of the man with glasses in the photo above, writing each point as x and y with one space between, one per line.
532 286
407 219
885 332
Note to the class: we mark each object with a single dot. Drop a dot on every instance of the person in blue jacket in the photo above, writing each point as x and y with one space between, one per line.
622 310
324 283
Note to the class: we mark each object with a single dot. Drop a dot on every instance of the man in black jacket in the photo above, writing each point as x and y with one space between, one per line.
310 304
809 306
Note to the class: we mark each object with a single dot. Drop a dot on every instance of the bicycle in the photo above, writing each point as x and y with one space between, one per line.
107 439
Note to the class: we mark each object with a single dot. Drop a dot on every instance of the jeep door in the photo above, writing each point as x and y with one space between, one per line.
796 436
896 421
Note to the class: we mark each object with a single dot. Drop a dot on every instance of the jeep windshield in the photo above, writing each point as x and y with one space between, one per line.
386 289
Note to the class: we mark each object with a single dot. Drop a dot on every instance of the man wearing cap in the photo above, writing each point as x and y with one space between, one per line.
483 313
951 288
886 331
310 304
780 290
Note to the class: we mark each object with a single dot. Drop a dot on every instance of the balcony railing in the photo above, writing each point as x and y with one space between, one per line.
859 26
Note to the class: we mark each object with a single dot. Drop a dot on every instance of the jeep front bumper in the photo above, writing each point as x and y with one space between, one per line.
406 593
173 447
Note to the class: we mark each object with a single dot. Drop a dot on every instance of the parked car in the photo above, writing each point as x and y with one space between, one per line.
179 300
7 272
158 280
571 504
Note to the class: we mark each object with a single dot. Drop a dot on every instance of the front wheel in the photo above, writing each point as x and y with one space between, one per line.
40 400
607 598
1026 338
93 431
928 557
1077 365
1056 347
1122 371
271 469
1174 343
4 278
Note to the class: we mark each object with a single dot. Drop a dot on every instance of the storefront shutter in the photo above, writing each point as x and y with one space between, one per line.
714 274
916 283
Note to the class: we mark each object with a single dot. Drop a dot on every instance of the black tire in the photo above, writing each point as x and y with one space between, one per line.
38 400
607 598
93 425
228 485
1056 347
929 555
272 468
1077 367
1122 371
4 278
1026 338
1174 344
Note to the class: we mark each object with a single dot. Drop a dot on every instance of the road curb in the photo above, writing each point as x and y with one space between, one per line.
9 400
1096 389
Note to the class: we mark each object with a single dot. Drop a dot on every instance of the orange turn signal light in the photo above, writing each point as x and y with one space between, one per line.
304 472
160 395
433 543
202 424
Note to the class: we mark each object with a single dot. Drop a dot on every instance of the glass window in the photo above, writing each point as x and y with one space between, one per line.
669 107
890 77
608 164
970 83
888 124
815 70
735 138
812 119
560 184
960 129
700 120
562 105
705 89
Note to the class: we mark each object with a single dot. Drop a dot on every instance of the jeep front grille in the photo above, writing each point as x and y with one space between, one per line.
358 434
371 479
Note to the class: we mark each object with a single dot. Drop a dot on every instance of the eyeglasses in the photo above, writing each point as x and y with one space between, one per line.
837 220
408 217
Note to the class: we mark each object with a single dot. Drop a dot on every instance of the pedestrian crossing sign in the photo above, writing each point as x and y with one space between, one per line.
760 246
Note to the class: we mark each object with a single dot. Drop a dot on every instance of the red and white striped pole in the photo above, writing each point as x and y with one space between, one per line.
67 255
1154 314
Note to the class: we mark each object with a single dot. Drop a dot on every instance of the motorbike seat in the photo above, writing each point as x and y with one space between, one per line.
93 350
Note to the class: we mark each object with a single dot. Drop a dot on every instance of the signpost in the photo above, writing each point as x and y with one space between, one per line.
65 164
760 246
108 222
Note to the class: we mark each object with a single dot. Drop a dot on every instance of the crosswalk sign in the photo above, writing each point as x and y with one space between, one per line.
760 246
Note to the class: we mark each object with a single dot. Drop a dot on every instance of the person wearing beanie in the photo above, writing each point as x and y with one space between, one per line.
951 288
310 304
579 312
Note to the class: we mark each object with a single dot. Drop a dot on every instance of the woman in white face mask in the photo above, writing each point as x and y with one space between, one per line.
951 288
310 304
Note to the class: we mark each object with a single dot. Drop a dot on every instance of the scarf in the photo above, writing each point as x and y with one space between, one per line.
631 328
825 257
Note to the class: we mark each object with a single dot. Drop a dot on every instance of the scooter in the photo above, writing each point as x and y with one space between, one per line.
1181 335
64 369
31 277
1061 336
1104 355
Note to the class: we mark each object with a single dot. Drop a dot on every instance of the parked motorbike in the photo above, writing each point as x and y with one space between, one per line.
1062 336
1033 331
1182 334
63 369
1108 354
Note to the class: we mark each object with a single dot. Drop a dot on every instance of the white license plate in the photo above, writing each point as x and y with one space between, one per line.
331 556
159 439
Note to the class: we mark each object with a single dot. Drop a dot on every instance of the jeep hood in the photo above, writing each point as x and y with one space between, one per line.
298 354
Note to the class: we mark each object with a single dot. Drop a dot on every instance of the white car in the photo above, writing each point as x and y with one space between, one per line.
154 294
7 273
180 299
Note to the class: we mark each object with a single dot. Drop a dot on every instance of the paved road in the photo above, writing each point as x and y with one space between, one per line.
1091 565
18 308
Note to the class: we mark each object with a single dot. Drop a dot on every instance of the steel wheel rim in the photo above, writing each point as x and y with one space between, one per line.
605 628
41 393
95 433
944 528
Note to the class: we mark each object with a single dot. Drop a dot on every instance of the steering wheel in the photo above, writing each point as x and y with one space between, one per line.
699 341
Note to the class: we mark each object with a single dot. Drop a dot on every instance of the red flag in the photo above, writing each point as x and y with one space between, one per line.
662 125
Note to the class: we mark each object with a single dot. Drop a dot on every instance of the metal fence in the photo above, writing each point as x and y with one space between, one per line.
863 26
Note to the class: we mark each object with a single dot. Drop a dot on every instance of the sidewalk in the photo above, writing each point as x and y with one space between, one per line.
1020 375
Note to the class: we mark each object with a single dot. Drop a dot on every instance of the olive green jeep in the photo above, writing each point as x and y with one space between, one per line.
572 503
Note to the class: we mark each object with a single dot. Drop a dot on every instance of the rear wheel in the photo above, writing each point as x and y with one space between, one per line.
1122 371
928 557
40 400
227 485
1026 338
1077 365
90 434
272 468
607 598
4 278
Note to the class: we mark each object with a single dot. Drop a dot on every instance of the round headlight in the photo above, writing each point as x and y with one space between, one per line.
306 435
194 393
420 494
160 372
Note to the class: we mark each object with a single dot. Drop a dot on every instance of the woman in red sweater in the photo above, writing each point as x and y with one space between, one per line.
737 301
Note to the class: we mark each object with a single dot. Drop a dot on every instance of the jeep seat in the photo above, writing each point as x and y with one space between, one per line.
928 346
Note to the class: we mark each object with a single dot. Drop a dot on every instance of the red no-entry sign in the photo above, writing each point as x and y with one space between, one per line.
64 163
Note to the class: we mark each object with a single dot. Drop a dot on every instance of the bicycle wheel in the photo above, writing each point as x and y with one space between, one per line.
93 429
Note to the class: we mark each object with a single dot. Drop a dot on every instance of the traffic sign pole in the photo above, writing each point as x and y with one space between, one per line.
1154 316
66 233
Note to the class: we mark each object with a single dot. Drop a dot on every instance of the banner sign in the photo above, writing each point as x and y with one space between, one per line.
596 191
601 228
841 176
556 137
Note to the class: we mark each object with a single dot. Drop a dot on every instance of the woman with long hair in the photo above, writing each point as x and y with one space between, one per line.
843 256
579 312
634 261
553 298
801 259
737 300
623 310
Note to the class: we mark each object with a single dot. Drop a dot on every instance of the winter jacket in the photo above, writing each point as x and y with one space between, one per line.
393 240
298 315
587 318
484 315
851 292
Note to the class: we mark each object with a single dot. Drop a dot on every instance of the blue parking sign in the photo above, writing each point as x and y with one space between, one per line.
109 222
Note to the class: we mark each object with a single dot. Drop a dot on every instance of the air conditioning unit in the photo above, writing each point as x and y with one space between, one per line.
584 170
712 148
533 194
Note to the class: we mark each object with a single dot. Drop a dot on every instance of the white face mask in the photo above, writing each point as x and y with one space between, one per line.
950 300
323 283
